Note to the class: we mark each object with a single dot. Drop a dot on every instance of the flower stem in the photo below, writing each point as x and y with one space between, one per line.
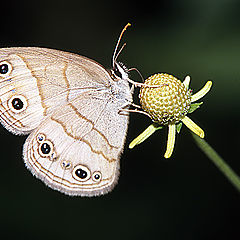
218 161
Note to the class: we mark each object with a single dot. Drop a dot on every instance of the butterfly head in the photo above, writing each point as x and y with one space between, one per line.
119 71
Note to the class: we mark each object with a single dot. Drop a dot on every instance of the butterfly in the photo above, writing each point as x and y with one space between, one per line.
70 107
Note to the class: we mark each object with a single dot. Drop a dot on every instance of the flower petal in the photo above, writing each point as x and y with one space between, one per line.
144 135
193 126
171 140
202 92
186 81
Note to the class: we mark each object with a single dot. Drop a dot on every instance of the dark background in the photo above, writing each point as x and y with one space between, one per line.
185 197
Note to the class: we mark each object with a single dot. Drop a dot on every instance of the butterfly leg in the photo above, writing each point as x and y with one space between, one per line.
133 111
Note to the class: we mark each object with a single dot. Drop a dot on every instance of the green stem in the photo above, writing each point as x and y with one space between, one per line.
218 161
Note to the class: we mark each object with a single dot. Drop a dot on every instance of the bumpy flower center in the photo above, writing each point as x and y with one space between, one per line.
166 104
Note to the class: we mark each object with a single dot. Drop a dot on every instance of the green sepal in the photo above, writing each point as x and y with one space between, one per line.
179 127
194 106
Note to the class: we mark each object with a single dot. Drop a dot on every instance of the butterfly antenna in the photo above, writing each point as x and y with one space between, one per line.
117 45
116 57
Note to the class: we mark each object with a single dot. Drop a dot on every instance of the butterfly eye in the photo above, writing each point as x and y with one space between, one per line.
46 149
120 71
17 103
97 176
81 173
5 68
117 72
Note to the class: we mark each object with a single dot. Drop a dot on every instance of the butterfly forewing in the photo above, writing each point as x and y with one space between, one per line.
40 80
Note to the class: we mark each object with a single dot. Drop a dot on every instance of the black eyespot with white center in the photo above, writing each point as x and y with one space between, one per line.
97 176
5 68
46 149
81 173
17 103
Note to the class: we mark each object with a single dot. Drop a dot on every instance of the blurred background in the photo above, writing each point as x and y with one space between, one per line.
185 197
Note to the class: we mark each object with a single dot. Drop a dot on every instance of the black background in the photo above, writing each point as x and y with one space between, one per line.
185 197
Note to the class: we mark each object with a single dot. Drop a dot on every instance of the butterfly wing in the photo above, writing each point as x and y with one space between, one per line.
76 150
34 81
70 105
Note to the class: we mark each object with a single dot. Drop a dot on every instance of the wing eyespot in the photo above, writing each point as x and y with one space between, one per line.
46 149
5 68
66 164
17 103
97 176
40 137
81 173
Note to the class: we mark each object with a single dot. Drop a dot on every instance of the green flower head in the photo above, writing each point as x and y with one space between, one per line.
169 105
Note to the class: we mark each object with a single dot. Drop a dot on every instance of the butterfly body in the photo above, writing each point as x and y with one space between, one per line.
69 105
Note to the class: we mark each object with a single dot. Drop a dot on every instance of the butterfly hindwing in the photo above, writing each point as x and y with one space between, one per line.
73 152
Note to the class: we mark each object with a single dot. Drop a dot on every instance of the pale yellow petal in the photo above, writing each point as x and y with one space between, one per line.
186 81
143 136
193 126
171 140
202 92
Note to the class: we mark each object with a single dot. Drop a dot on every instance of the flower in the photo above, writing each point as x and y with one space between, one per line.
169 104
